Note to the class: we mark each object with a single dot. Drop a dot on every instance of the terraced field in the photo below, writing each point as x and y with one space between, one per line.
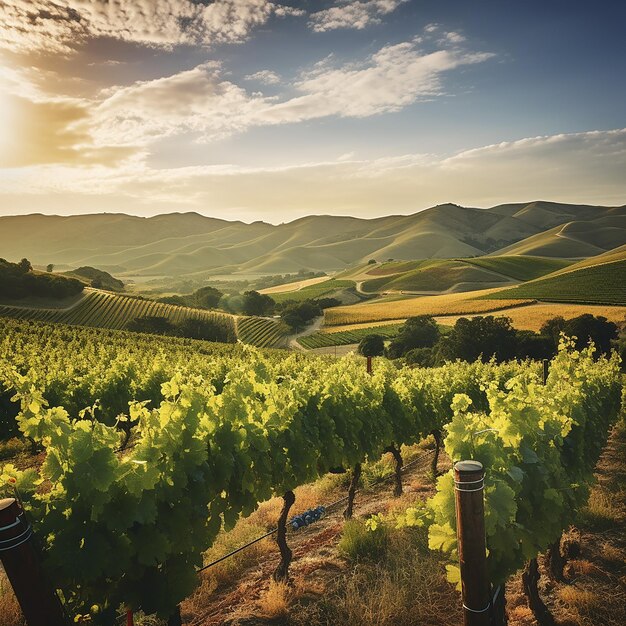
520 267
105 310
597 284
260 331
319 290
401 308
343 338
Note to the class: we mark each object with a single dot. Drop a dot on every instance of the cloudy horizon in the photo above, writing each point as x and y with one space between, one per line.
258 110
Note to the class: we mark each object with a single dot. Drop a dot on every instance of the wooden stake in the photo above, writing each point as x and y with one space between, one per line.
546 369
470 529
369 364
36 596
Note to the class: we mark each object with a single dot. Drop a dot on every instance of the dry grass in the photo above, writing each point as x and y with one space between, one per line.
10 613
274 603
533 316
406 587
300 284
448 304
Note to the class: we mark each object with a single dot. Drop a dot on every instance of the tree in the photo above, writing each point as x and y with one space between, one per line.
255 303
552 328
151 324
25 266
371 262
418 332
49 267
201 329
299 314
422 357
372 345
534 346
588 328
480 337
206 297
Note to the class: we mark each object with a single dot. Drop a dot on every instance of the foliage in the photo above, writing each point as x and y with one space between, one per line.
18 281
216 431
255 303
539 446
418 332
479 338
372 345
362 542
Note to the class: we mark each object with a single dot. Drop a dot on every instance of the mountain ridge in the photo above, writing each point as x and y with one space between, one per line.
191 243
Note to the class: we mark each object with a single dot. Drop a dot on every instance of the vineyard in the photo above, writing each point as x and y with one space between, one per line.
106 310
322 289
209 433
260 332
597 284
344 338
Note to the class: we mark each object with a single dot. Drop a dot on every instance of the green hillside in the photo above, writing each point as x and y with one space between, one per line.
260 331
100 309
520 267
598 284
438 276
345 337
320 290
104 310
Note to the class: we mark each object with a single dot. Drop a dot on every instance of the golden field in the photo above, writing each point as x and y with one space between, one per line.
532 317
447 304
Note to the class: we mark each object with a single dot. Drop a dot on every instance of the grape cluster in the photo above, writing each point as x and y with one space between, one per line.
308 517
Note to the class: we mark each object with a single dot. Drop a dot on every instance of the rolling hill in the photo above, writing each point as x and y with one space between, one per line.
181 244
604 283
102 309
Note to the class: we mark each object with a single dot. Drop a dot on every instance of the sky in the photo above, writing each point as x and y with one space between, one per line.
271 110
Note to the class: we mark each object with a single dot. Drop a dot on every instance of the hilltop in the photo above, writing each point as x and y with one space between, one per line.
188 243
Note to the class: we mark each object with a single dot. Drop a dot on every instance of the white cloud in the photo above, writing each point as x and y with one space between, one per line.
62 25
358 14
267 77
201 100
582 167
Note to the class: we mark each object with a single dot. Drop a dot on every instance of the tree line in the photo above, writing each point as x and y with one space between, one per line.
421 340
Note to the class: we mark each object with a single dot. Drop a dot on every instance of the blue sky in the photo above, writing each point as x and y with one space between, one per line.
253 109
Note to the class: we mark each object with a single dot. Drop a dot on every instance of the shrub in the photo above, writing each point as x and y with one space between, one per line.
359 543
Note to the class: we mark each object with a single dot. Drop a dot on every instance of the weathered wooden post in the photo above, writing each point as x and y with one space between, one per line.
369 364
470 530
36 596
546 368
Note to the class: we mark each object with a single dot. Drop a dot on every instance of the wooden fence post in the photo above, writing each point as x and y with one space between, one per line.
36 596
546 368
369 365
470 529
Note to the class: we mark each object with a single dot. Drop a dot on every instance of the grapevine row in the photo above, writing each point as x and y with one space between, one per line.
129 528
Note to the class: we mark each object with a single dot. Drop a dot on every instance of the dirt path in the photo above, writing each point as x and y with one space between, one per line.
292 340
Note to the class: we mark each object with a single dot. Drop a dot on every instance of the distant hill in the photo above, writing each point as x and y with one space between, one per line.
188 243
96 278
